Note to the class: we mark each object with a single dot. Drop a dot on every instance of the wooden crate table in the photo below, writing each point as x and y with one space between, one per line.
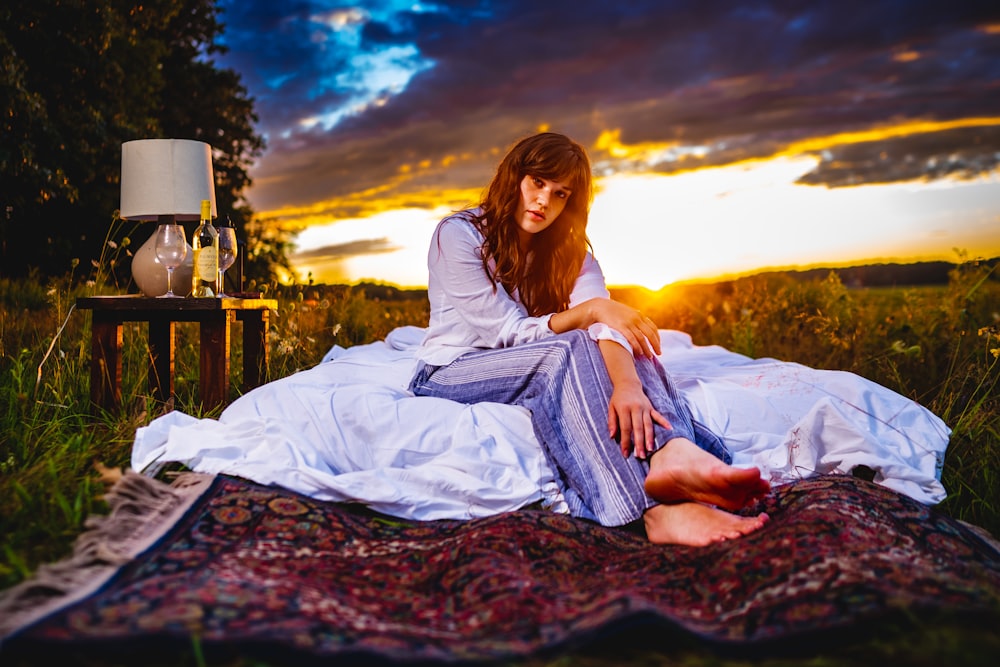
214 317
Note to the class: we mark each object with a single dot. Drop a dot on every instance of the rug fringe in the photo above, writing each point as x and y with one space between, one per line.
141 510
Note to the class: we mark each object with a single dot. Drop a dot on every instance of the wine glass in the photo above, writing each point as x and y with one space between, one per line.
171 249
227 253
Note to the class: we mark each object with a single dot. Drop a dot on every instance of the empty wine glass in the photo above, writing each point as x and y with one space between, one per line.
227 254
171 249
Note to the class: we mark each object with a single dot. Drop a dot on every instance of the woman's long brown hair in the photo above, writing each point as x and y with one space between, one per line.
545 275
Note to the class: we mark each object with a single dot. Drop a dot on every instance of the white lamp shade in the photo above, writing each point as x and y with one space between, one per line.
166 177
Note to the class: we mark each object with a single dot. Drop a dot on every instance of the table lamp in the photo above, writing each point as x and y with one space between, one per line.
164 180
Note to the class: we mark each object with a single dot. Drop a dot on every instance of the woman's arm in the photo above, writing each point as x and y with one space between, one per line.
640 331
463 296
630 412
498 320
591 304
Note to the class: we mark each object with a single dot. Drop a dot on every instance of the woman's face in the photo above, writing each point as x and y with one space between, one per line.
542 200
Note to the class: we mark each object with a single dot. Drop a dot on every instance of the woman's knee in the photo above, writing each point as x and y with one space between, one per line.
574 344
575 338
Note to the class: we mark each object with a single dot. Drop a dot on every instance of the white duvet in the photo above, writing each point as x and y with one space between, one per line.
348 430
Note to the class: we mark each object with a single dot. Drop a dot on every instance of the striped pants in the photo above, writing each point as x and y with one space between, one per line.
564 382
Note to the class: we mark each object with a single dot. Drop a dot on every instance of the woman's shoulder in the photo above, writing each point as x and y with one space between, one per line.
460 223
467 216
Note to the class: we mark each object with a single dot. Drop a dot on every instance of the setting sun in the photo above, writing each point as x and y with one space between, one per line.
653 230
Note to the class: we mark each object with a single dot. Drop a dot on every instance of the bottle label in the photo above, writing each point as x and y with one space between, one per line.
206 261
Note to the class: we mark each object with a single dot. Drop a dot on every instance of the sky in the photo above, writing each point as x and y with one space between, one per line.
725 137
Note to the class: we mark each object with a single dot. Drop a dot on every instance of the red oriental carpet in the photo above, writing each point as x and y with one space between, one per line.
237 567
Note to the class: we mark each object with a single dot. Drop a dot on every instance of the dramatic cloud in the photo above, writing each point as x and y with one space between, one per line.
342 250
373 105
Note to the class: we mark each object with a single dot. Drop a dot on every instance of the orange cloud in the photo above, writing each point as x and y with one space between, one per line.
419 185
651 153
906 56
366 204
610 142
879 133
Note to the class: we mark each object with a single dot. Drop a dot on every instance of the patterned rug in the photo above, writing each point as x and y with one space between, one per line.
246 567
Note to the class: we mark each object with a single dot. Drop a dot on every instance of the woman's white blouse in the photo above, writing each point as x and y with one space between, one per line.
469 312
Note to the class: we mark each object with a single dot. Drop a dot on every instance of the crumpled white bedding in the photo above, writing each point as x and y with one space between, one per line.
348 430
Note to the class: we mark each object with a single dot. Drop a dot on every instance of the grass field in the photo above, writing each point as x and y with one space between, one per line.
938 345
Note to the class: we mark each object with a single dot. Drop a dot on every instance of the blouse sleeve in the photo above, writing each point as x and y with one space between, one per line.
591 285
455 265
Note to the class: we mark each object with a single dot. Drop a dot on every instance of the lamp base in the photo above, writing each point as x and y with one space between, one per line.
151 276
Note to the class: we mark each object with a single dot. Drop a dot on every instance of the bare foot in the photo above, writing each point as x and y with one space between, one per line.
697 525
682 471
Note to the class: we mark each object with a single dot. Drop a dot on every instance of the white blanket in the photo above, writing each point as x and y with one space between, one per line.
348 430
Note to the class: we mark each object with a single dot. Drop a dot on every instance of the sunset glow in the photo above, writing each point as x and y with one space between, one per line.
655 230
725 138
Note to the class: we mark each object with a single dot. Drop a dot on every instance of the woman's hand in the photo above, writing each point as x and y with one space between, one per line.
630 419
631 415
640 331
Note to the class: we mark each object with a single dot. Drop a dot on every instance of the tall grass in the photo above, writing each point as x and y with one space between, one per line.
938 345
54 446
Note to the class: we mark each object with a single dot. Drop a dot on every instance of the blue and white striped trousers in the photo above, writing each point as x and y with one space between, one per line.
564 382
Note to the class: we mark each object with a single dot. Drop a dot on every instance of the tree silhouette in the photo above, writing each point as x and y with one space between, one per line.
80 77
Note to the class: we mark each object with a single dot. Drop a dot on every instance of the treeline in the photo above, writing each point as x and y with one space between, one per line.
873 275
886 275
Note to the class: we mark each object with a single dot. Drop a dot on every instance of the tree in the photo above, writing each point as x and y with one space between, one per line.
79 78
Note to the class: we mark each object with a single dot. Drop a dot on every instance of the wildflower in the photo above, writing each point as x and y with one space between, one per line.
989 333
899 347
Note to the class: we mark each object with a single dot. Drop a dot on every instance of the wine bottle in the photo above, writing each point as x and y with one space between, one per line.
206 254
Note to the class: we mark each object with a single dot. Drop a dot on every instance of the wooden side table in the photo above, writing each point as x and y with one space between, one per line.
214 316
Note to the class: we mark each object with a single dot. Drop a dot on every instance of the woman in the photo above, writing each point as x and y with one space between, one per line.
520 314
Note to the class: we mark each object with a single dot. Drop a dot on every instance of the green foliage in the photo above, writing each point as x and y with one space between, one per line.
51 443
79 78
313 318
939 345
18 296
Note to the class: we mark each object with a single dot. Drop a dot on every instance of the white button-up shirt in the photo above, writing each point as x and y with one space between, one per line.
470 312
